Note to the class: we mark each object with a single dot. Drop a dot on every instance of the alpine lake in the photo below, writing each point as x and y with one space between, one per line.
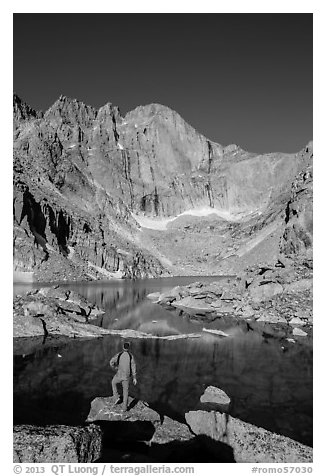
269 380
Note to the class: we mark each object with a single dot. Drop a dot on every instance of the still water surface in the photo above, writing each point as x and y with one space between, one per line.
269 380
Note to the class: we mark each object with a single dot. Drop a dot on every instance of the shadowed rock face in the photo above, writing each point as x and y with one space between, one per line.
56 444
80 172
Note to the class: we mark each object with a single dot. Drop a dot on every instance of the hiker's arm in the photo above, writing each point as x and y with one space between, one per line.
133 370
113 361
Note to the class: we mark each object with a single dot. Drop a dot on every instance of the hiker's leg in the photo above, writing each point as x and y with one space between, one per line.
125 387
115 380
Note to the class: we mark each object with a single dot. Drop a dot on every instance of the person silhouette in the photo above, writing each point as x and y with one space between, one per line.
125 366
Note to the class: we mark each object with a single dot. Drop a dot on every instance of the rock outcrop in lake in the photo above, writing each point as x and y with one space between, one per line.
85 180
54 311
57 311
279 294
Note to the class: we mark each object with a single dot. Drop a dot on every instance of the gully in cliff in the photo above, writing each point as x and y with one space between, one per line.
124 364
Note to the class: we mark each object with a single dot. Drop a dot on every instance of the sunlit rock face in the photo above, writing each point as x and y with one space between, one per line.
60 210
298 234
79 173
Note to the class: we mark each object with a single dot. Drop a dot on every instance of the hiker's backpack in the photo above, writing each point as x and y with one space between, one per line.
118 359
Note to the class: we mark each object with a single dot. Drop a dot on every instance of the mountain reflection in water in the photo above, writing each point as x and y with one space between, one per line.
127 307
269 381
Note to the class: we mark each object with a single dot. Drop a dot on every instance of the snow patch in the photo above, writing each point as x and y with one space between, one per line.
161 223
120 146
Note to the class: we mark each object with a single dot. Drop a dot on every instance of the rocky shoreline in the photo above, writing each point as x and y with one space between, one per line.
277 295
57 311
109 433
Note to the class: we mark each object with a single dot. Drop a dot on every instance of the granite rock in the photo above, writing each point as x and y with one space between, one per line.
56 444
249 444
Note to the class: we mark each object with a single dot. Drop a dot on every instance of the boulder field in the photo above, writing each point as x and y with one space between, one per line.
142 434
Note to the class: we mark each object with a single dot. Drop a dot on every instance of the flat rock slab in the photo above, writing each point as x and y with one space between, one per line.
104 408
164 429
296 321
299 332
56 444
249 443
154 296
192 305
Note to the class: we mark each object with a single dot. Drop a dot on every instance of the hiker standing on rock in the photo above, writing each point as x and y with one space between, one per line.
125 366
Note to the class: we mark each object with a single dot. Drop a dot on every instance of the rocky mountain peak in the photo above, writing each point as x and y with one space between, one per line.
109 110
22 111
71 112
147 113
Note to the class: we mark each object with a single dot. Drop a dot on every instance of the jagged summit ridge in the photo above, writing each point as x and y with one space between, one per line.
67 106
22 111
158 164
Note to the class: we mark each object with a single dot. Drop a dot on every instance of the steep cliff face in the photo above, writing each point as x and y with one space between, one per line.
82 175
162 167
60 211
298 234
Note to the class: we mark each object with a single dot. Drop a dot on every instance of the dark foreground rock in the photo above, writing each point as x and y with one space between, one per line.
142 434
249 443
56 444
